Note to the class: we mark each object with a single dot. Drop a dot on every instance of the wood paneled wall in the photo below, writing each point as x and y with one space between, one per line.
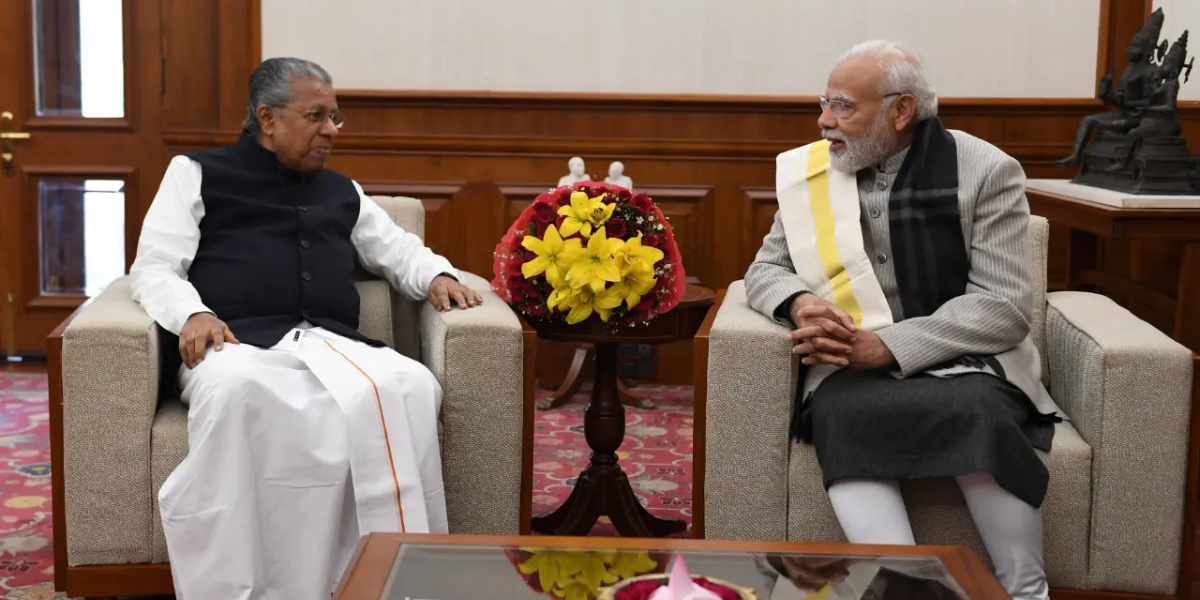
476 159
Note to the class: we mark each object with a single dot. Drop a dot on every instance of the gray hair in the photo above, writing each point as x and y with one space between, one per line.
903 72
271 84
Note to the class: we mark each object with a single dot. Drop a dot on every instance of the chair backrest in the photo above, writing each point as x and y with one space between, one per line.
384 315
408 213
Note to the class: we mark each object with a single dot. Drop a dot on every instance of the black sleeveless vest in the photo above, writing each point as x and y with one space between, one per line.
275 245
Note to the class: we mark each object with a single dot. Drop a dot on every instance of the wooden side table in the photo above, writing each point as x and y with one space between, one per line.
1095 226
603 488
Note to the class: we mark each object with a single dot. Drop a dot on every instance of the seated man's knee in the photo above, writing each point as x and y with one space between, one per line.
223 378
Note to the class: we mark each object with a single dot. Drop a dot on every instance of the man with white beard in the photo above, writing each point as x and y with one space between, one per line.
900 257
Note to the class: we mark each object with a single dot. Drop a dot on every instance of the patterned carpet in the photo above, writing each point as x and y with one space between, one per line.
26 529
657 456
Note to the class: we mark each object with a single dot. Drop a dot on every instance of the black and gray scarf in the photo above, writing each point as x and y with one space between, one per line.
930 254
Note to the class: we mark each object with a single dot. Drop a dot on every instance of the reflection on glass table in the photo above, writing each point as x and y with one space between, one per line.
479 572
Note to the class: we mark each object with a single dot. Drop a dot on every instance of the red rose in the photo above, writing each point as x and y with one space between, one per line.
541 229
651 239
563 197
615 227
593 189
642 202
544 213
623 195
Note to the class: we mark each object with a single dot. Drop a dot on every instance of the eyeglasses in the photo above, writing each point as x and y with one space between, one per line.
842 107
317 117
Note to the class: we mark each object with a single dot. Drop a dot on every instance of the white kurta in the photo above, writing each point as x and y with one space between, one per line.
297 450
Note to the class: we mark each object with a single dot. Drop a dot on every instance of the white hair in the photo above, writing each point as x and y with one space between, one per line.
903 72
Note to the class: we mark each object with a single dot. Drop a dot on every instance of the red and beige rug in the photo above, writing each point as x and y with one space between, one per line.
657 456
26 529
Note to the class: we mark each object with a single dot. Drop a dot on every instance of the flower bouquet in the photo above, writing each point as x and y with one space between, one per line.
590 250
575 574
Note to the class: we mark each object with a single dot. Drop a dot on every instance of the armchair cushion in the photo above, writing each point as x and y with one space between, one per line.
1127 387
110 378
478 357
751 376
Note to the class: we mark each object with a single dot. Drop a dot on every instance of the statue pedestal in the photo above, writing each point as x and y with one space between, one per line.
1161 165
1141 251
1116 199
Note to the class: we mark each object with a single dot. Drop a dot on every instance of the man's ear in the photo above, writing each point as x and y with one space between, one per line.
905 108
266 119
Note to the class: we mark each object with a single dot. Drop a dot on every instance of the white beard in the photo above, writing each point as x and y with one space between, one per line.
878 143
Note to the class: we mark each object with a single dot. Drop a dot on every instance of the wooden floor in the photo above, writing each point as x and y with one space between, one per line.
39 366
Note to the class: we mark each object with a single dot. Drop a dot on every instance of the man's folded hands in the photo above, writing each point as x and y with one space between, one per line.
826 334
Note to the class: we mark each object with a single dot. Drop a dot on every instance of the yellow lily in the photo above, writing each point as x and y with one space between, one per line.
546 565
553 254
633 285
632 255
582 302
627 565
593 266
584 214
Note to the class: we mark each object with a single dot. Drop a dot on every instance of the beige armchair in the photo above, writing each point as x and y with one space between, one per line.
1115 513
115 437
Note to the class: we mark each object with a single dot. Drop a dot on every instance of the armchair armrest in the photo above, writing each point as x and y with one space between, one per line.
478 356
110 389
750 375
1127 387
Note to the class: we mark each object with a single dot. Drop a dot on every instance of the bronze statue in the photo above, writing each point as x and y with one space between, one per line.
1138 148
1132 91
1158 118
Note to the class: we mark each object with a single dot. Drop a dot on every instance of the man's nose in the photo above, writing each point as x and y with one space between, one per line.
329 129
827 120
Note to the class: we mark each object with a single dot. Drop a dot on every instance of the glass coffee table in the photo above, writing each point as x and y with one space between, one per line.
459 567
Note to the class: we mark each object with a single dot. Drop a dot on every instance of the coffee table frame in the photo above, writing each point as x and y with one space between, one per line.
375 556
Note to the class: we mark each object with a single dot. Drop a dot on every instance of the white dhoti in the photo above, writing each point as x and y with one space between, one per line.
294 452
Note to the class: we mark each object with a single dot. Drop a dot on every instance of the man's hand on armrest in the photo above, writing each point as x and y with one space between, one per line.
445 288
201 329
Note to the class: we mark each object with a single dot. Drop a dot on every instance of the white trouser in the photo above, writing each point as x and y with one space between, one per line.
873 512
293 453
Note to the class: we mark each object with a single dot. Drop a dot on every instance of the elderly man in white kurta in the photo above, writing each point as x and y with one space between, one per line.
303 434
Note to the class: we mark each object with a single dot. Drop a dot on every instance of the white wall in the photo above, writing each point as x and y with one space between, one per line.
974 48
1181 15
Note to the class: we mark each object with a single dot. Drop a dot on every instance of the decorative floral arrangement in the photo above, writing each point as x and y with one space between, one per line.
644 589
580 574
590 249
680 585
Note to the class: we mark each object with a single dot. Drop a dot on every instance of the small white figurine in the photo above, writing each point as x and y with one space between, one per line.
616 176
680 586
576 175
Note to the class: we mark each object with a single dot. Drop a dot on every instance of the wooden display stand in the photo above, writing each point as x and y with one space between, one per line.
603 488
1100 220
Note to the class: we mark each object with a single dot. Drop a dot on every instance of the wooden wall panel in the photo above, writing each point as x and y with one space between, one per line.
477 159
